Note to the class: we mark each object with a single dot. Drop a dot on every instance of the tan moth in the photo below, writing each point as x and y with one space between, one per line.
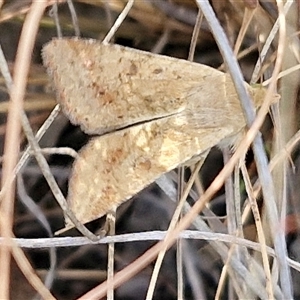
151 112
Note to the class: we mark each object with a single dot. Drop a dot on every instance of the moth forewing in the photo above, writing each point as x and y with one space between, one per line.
114 167
107 87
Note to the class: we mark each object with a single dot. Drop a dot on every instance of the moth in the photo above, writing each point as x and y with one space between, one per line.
151 113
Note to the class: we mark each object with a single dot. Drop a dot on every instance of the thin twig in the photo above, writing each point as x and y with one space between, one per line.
195 35
260 232
179 253
248 16
41 243
53 13
162 42
118 22
59 151
111 223
282 74
74 18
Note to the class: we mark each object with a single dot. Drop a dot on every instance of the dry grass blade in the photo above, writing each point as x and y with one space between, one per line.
111 223
260 232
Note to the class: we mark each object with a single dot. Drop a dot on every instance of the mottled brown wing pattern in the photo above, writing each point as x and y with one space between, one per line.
106 87
174 110
112 168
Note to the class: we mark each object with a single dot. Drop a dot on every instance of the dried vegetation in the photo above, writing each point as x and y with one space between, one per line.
230 253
